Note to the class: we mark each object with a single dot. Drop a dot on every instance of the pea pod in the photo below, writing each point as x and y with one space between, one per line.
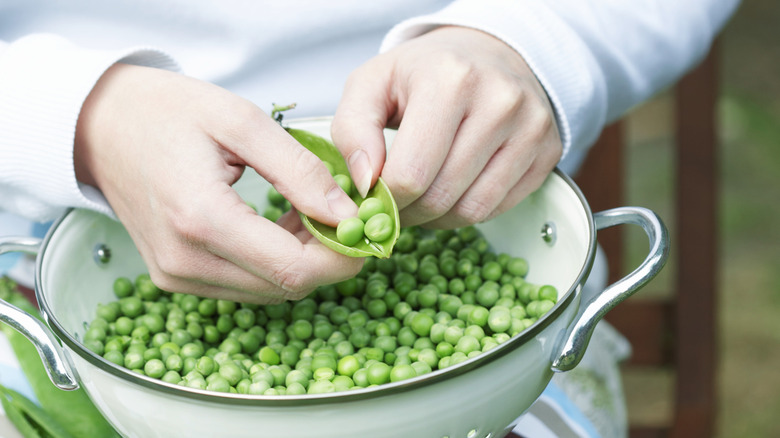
327 152
72 409
30 419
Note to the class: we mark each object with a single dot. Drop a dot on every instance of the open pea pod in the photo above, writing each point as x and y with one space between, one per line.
327 152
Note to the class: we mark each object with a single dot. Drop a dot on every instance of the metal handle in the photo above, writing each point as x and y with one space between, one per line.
576 342
34 329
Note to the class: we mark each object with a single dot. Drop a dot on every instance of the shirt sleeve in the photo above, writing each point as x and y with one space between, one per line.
595 58
44 81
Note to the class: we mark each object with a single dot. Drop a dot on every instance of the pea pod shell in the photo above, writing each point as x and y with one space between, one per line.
71 409
17 418
327 152
32 414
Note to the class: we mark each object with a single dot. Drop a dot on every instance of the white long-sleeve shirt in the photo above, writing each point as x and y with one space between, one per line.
595 58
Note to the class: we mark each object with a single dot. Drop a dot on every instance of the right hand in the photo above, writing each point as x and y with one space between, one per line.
165 150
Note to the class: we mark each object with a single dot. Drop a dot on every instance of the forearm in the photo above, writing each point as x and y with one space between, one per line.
44 80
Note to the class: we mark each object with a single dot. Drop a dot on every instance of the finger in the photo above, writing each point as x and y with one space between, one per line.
475 143
220 292
425 135
358 124
298 174
485 199
267 251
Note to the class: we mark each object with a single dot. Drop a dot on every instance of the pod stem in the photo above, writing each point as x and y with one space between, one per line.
276 112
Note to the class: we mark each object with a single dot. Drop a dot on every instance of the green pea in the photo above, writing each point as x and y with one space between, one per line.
274 197
517 266
114 356
360 377
258 388
345 182
231 372
479 316
269 356
350 231
402 372
421 324
172 377
377 308
108 312
96 346
244 318
321 387
486 295
360 337
123 287
492 271
452 334
379 373
296 376
294 389
428 296
147 290
134 360
379 227
230 346
131 306
499 319
545 306
154 368
370 207
226 307
225 323
548 292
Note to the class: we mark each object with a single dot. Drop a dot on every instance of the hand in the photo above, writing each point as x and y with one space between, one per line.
476 132
165 150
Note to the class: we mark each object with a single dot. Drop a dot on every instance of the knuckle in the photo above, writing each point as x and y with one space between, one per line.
507 97
240 118
541 120
189 226
436 201
292 281
170 265
473 210
307 164
453 74
411 183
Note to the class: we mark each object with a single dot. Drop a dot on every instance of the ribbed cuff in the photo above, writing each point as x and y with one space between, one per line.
44 80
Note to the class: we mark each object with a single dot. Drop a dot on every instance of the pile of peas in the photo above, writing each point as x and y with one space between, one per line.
440 299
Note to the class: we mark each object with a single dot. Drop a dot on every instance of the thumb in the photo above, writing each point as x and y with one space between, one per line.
357 127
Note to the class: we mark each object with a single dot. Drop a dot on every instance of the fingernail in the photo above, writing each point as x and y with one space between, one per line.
340 204
360 169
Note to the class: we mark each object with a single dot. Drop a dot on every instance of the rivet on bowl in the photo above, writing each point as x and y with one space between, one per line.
549 233
101 254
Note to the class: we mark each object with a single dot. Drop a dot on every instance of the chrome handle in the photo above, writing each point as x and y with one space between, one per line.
575 343
34 329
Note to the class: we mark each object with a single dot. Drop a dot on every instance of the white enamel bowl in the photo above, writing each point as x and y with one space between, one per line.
553 228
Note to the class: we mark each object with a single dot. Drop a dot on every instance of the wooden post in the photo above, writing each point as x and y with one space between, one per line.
697 251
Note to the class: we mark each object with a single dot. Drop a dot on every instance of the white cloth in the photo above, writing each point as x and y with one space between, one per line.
596 59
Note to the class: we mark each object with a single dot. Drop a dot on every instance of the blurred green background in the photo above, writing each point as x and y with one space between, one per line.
749 219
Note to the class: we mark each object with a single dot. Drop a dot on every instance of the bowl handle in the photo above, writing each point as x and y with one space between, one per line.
576 340
34 329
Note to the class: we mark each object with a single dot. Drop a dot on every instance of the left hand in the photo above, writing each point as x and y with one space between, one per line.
476 131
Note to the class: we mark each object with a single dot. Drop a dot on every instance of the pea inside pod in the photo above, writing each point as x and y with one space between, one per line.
331 156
